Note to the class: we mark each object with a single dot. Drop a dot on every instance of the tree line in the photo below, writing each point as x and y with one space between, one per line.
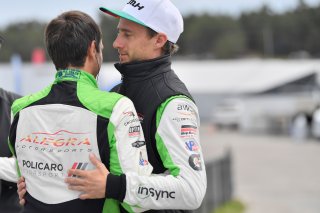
260 33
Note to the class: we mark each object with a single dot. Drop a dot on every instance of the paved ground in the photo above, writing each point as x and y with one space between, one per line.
272 174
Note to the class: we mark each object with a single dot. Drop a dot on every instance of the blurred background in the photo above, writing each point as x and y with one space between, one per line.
253 68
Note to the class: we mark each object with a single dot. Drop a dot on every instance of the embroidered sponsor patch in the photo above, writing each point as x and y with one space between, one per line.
195 162
184 119
60 141
144 192
78 165
188 131
42 169
128 118
134 131
74 74
185 110
192 145
142 160
138 144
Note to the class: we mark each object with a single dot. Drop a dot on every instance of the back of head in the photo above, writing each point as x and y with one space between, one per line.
68 37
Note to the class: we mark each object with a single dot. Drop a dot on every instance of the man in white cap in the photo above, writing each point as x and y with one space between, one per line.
147 33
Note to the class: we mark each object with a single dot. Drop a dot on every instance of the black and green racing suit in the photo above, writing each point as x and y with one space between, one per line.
55 130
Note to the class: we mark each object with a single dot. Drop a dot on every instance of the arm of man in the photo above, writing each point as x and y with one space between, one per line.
128 154
183 186
8 166
8 169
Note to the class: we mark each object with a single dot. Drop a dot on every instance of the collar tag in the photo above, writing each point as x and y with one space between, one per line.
69 74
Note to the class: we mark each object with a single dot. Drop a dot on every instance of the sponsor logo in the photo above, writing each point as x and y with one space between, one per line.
60 141
142 161
52 150
135 4
62 138
195 162
185 109
131 121
42 166
75 74
181 119
188 131
138 144
129 113
41 173
145 192
78 165
191 145
134 131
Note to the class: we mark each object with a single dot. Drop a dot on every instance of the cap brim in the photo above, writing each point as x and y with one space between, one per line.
121 14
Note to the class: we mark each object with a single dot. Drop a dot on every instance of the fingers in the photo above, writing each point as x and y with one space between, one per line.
22 202
75 181
76 188
21 179
94 160
21 194
84 196
77 172
21 184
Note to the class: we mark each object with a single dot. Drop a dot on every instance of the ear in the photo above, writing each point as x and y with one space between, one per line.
92 49
160 41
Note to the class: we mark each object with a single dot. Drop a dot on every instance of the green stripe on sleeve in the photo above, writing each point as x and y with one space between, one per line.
111 206
161 147
127 207
115 167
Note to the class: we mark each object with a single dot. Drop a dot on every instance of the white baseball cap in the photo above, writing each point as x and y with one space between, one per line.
160 15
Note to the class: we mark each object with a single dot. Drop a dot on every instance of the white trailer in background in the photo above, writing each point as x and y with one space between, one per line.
258 96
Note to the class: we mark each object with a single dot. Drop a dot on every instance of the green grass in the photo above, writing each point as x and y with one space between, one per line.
233 206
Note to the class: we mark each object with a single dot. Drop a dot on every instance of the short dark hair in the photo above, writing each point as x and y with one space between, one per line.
169 48
68 37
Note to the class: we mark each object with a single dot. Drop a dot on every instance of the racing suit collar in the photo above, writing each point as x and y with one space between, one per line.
75 75
141 70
